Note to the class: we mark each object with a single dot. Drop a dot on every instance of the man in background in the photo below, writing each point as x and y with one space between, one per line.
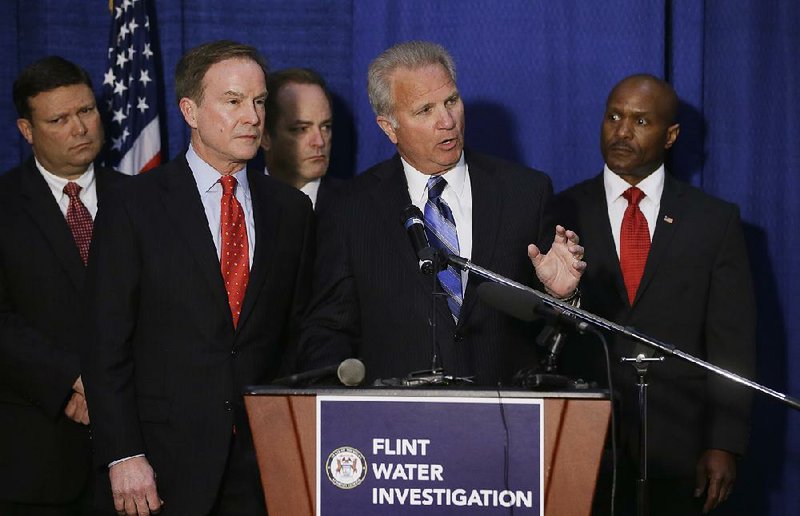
298 132
670 261
196 281
47 207
370 299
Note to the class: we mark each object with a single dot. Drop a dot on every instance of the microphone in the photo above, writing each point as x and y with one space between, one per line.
412 220
350 372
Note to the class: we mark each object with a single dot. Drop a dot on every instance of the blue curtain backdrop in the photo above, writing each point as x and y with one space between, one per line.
534 75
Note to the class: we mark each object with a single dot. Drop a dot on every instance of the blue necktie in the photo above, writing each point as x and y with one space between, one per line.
441 229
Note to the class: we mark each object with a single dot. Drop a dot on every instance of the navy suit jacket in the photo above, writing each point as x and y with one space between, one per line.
45 456
696 293
371 301
165 367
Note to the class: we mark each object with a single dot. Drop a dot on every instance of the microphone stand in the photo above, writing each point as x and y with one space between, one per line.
436 374
640 362
572 312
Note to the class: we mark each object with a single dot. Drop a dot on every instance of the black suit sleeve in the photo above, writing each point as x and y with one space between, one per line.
112 299
30 363
331 328
730 340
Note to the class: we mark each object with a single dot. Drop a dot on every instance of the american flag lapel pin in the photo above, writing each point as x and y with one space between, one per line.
668 219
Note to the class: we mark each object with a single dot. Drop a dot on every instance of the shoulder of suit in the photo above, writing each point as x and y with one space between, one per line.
584 187
11 177
695 196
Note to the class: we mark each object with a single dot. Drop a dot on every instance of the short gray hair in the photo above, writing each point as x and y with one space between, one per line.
411 55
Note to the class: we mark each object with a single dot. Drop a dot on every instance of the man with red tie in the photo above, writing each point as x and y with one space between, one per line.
197 277
670 261
47 206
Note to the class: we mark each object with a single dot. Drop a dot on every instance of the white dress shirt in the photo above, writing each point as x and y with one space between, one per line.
87 195
615 186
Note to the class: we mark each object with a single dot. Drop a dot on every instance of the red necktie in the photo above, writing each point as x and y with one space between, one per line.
234 253
634 242
79 220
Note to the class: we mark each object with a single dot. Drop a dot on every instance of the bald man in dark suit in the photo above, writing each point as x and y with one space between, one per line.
690 286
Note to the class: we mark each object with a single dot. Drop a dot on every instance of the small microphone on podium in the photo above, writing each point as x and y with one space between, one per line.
350 372
412 219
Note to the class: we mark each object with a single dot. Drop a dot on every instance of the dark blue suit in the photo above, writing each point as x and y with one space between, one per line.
165 367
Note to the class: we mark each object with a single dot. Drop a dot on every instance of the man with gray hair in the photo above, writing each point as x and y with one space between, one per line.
197 277
369 298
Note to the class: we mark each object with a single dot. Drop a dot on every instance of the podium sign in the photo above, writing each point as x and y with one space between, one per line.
434 455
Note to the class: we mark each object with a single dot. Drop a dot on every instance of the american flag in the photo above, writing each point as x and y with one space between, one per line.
133 137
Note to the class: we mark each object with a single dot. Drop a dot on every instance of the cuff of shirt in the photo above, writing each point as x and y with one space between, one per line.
114 463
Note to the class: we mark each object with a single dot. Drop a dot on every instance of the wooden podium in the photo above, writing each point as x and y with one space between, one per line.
283 422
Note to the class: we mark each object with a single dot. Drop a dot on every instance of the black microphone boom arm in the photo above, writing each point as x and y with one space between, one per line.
583 315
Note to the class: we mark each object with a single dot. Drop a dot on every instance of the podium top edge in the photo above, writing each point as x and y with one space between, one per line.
276 390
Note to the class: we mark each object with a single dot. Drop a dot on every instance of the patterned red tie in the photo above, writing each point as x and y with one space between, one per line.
234 255
79 220
634 242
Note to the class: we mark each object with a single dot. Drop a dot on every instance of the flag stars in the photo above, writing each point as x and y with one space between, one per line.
121 59
119 116
119 88
131 51
144 78
147 53
109 77
142 105
132 26
123 32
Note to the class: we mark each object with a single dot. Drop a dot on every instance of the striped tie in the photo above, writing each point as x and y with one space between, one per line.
441 229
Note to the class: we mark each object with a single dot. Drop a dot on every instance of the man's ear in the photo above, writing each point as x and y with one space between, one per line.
24 126
266 141
672 135
189 111
387 127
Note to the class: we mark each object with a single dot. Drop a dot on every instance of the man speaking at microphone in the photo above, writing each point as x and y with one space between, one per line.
370 299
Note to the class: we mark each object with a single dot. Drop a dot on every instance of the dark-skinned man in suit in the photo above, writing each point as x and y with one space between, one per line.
670 261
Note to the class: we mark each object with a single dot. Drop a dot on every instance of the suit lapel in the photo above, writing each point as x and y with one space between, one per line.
182 203
669 219
486 217
266 215
390 197
38 201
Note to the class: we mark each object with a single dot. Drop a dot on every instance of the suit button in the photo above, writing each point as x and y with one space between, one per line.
234 352
228 406
458 337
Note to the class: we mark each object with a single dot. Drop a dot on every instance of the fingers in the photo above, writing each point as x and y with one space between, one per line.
534 254
713 495
134 488
76 409
78 386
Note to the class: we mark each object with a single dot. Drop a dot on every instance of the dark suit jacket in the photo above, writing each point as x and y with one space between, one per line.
329 188
165 368
371 301
44 456
696 293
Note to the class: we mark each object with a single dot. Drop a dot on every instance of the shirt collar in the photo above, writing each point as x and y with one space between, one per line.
207 177
615 186
418 182
57 183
